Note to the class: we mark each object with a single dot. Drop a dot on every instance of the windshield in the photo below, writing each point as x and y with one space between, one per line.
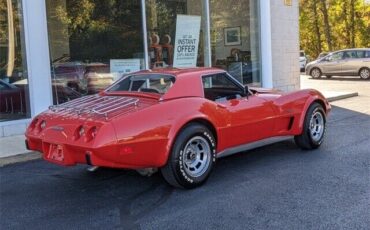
148 83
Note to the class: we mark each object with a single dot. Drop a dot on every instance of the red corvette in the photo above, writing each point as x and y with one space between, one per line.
179 121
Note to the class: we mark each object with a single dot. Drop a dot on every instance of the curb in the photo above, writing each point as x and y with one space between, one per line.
22 157
342 96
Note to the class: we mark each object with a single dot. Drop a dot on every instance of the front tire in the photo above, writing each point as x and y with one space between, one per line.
192 157
365 73
314 128
316 73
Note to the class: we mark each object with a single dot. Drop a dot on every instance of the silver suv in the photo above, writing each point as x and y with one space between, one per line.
349 62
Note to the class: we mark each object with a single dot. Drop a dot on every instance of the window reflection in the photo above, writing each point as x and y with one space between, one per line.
14 99
92 44
161 25
235 39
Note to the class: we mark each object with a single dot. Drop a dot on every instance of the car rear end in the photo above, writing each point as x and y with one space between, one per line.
81 131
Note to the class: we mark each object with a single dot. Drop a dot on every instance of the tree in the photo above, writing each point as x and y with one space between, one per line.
328 25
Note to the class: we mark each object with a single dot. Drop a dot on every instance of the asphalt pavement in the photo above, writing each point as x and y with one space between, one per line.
272 187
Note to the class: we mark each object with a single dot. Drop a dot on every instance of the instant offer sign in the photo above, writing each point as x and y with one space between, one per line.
187 41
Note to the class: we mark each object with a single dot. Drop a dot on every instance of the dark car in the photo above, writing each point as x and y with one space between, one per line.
12 98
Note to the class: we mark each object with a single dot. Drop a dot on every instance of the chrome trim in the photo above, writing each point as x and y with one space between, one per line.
252 145
95 104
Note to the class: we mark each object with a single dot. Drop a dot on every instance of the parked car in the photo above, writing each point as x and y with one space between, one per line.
302 60
70 74
179 121
349 62
12 99
61 92
98 77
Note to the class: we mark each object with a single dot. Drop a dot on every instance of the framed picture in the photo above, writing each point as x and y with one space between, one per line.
232 36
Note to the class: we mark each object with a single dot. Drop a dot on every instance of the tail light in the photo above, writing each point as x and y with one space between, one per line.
79 132
43 125
91 134
33 124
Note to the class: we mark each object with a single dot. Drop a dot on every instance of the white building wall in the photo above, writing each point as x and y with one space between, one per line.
285 45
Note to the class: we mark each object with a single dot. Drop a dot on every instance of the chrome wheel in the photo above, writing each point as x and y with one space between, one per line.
197 156
365 73
317 124
316 73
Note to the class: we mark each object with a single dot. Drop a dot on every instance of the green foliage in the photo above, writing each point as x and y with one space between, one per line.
111 27
349 25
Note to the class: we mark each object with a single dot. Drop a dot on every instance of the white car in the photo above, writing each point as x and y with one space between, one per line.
302 60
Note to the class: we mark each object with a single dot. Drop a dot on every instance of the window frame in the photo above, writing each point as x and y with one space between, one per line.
244 91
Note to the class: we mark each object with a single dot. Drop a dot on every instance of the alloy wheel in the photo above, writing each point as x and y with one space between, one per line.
315 73
365 73
197 156
317 126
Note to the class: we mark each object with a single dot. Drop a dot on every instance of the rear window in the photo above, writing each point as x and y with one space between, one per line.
301 54
148 83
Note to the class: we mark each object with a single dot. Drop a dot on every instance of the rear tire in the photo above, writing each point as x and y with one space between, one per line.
316 73
314 128
192 157
364 73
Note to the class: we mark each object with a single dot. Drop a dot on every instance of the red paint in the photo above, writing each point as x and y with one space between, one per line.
141 135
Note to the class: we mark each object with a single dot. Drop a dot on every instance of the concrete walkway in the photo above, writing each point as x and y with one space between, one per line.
12 149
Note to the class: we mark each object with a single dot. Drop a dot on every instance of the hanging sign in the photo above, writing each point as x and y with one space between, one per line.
187 41
119 67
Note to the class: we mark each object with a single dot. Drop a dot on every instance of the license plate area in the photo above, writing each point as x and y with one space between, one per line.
56 152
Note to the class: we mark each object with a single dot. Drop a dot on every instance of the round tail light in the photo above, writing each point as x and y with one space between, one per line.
43 124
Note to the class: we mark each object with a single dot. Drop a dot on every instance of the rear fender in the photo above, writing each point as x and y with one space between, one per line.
182 123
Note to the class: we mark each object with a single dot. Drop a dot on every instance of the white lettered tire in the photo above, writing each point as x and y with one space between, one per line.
192 157
314 128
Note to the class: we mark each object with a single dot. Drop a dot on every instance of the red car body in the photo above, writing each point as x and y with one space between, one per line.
136 130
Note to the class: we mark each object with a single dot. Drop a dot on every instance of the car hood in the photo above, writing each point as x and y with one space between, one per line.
314 62
100 107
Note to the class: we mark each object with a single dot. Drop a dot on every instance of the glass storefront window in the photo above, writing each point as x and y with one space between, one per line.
161 31
92 43
14 93
235 39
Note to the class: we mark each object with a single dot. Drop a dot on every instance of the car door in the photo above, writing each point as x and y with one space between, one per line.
250 117
350 65
332 64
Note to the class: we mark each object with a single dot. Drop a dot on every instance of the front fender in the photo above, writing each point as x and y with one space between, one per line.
314 96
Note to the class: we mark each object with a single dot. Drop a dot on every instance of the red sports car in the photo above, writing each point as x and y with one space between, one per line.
177 120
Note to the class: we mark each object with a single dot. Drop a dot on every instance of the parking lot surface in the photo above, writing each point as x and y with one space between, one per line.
272 187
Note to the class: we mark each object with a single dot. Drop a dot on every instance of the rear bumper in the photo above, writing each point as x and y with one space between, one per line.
151 154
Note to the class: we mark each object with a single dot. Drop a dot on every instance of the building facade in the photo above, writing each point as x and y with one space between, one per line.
52 51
